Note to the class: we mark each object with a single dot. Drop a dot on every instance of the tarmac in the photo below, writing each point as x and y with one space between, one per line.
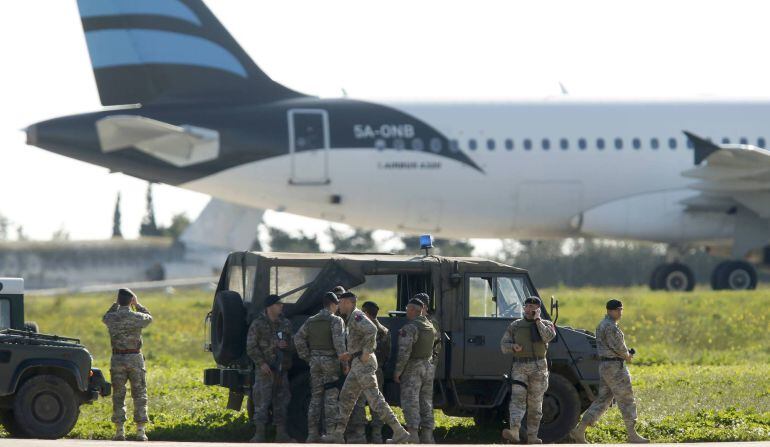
91 443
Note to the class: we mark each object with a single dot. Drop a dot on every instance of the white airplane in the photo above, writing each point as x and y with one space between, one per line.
188 107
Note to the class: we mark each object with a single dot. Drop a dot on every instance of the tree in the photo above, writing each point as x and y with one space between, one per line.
359 241
4 224
453 247
116 233
61 234
179 223
149 227
283 241
20 235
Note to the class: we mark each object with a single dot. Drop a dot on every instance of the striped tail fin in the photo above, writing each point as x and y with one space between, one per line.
145 51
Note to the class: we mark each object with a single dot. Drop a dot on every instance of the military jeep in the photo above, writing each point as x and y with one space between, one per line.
43 378
474 300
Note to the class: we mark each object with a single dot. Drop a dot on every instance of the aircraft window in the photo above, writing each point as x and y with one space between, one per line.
725 140
761 142
546 144
527 144
398 143
618 143
435 145
654 143
689 144
491 144
417 144
472 144
600 144
564 144
380 144
637 143
509 144
744 140
672 143
582 144
454 146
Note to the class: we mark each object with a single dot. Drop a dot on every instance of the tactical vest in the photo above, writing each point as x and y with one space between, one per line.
423 347
319 333
522 335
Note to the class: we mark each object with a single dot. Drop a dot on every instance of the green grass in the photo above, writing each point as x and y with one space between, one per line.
702 375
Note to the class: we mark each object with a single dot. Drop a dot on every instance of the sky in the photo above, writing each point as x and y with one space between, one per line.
426 50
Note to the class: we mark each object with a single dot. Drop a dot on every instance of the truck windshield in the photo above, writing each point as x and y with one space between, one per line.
511 292
497 296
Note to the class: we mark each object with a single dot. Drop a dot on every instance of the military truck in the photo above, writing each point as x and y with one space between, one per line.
474 299
43 378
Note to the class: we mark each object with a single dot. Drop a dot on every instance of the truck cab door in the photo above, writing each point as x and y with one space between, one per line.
492 303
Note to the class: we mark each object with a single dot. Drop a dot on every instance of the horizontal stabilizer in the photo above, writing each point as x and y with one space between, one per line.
178 145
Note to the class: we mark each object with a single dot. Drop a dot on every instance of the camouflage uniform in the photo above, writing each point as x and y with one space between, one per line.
529 372
125 327
361 339
262 346
614 378
437 346
356 425
415 351
312 346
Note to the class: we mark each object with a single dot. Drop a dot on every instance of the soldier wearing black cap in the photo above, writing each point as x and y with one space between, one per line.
321 343
527 339
614 378
127 364
269 344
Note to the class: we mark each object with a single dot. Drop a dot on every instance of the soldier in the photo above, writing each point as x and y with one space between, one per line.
269 344
426 312
382 352
125 327
414 372
321 342
361 344
614 378
527 339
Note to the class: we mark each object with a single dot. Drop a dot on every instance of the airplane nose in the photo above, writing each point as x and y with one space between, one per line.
31 134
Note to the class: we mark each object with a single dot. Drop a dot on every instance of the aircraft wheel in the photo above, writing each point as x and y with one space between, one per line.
674 277
654 280
735 275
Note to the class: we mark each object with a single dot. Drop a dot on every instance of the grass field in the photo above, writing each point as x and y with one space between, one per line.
703 371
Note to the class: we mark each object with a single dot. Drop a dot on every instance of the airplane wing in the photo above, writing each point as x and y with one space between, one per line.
729 175
178 145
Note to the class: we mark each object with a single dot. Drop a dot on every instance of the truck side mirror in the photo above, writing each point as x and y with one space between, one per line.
554 307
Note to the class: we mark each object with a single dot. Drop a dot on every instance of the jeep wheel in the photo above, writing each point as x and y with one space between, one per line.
561 409
228 327
10 425
46 407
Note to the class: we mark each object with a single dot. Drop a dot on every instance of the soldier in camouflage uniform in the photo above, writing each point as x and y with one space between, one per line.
426 312
321 342
355 432
362 378
614 378
527 339
414 372
269 344
127 364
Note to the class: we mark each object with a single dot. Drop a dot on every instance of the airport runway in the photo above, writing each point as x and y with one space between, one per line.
89 443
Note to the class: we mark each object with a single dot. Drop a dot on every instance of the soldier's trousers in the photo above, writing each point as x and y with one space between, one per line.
323 370
362 379
417 394
528 398
357 422
123 368
614 382
267 390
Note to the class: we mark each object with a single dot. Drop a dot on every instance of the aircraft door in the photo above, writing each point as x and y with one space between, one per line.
309 146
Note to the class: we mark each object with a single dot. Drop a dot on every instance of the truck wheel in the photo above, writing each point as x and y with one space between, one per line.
228 327
46 407
10 425
561 409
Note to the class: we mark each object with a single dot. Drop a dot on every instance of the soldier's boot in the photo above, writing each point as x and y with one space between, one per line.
281 435
313 437
633 436
579 432
400 436
426 436
511 435
120 433
533 439
377 434
336 436
414 435
141 434
259 434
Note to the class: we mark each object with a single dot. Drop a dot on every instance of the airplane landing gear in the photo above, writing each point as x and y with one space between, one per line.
672 277
734 275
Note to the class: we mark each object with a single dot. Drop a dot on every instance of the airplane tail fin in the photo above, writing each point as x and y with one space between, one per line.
145 51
